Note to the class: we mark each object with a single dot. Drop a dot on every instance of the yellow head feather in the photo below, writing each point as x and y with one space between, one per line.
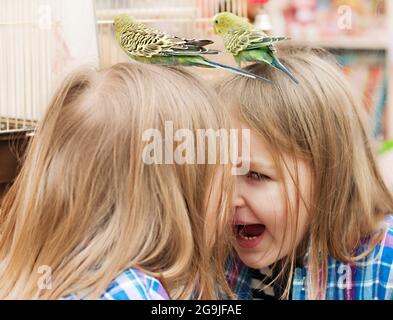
122 22
226 21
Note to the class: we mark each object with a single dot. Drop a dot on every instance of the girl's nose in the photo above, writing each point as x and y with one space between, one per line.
237 197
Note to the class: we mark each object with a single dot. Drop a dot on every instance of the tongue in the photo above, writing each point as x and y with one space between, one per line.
253 230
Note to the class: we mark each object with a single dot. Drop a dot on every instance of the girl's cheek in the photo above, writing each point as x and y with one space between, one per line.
268 205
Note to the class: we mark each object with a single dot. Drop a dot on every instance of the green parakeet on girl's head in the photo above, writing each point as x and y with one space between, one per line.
246 43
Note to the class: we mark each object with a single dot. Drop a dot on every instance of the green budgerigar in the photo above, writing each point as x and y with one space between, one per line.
247 43
145 44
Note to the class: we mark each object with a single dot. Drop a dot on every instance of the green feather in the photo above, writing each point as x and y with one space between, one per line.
196 61
260 55
188 61
386 147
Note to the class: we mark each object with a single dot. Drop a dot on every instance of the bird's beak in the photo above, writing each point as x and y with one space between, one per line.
215 29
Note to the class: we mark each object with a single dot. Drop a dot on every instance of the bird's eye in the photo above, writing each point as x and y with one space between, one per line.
216 22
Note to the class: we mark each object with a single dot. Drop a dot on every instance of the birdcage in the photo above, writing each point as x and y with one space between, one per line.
184 18
40 41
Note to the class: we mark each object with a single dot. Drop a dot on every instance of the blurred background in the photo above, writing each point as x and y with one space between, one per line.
42 40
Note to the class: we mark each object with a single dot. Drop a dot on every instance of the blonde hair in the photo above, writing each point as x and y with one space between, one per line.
87 206
322 121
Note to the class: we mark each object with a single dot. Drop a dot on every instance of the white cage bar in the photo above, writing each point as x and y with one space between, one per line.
40 41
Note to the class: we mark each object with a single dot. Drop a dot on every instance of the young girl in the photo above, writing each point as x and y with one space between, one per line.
312 216
88 218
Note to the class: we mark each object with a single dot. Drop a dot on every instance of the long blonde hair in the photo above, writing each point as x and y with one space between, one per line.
322 121
87 206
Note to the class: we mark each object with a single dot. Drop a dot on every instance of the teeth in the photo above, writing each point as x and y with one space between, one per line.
247 238
241 234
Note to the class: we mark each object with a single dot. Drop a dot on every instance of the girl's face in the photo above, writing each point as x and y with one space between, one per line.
265 231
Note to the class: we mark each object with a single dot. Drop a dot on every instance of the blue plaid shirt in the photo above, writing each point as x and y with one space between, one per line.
131 284
370 279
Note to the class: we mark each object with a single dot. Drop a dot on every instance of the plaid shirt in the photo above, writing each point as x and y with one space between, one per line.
370 279
132 284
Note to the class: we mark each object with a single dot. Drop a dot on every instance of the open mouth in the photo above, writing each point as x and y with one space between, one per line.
249 235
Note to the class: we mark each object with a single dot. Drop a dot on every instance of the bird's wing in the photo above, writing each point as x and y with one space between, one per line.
189 47
259 39
248 39
236 41
146 42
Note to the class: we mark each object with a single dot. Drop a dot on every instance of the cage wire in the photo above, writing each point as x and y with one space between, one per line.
40 42
25 76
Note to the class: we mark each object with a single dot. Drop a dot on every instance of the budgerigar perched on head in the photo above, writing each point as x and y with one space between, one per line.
246 43
145 44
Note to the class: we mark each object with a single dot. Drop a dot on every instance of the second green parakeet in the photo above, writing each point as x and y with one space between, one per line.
246 43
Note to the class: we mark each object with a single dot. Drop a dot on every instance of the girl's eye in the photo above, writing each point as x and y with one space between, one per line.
257 176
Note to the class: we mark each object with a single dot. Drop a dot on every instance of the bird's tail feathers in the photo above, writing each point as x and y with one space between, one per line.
278 65
236 70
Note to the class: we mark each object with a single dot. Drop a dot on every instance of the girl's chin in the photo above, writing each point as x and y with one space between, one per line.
256 259
251 263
